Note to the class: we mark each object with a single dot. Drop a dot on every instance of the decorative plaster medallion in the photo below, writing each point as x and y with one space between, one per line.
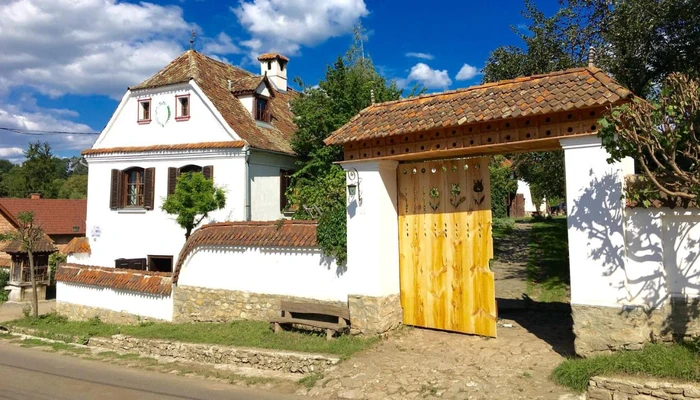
162 113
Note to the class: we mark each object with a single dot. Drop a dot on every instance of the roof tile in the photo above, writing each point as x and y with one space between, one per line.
159 283
56 216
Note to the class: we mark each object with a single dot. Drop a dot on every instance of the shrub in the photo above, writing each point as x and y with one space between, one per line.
4 278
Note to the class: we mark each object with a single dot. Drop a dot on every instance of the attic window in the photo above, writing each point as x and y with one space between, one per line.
261 112
269 65
182 107
144 111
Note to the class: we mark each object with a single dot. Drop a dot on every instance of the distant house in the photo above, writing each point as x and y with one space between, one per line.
61 219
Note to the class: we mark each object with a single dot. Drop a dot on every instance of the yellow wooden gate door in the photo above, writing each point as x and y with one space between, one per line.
445 245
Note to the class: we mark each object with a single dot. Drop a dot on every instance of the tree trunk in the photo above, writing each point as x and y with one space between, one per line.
32 277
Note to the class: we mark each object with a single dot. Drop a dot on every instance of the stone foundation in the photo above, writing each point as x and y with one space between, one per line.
601 388
195 304
77 312
375 315
284 361
23 292
606 329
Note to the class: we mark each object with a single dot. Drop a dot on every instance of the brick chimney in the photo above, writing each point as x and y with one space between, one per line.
274 65
35 196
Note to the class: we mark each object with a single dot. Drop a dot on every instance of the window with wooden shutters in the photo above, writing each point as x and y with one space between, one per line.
285 183
115 192
208 172
172 179
133 187
149 188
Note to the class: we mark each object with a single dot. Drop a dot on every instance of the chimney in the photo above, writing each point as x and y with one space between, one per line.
35 196
274 65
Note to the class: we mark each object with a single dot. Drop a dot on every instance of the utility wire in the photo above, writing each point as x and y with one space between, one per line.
30 132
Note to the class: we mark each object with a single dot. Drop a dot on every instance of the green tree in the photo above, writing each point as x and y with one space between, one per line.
319 110
664 138
503 185
536 169
28 234
194 198
75 187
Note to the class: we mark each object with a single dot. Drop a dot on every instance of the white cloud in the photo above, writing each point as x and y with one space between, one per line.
223 44
424 56
467 72
86 47
286 25
428 77
32 118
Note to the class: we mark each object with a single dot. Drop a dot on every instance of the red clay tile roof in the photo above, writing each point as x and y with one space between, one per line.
56 216
159 283
248 85
232 144
43 245
213 76
284 234
77 245
531 95
271 56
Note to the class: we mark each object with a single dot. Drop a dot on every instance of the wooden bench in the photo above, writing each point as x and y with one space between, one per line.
332 319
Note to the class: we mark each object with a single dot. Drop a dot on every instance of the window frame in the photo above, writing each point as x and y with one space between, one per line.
178 108
140 188
162 257
139 114
266 114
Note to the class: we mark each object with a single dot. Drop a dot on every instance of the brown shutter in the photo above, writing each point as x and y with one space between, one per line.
208 172
172 180
149 188
114 193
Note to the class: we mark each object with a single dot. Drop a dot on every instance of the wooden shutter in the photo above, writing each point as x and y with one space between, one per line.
208 172
172 180
115 190
149 188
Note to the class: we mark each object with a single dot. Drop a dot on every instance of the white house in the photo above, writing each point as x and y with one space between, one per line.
196 114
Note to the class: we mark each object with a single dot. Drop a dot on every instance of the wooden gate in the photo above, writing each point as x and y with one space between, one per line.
445 245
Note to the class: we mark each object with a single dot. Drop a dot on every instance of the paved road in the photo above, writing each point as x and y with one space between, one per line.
31 374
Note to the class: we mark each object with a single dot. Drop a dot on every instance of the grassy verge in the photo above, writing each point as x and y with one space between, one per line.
677 361
548 263
238 333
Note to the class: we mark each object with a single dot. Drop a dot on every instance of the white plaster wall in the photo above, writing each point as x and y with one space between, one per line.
203 125
265 184
524 189
373 237
143 304
662 247
136 234
78 258
247 102
595 223
275 74
291 272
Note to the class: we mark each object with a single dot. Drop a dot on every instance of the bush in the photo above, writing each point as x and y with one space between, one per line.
4 278
503 224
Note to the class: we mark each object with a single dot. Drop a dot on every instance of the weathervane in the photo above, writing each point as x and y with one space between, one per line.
194 35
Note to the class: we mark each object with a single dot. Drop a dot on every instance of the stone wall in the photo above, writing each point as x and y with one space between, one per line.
601 388
77 312
606 329
195 304
375 315
283 361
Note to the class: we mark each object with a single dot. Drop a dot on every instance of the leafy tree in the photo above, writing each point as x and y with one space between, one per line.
194 198
75 187
664 138
28 234
502 185
320 110
14 183
77 166
536 169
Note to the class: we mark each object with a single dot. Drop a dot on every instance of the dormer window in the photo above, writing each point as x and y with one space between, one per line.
261 111
269 65
144 111
182 107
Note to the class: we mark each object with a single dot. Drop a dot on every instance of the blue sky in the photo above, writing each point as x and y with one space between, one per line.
66 63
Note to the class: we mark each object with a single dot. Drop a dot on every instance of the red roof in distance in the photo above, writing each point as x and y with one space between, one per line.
56 216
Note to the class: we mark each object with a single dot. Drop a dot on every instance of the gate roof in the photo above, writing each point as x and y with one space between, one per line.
532 96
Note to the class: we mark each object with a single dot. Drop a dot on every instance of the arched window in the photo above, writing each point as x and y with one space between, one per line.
190 168
173 173
133 187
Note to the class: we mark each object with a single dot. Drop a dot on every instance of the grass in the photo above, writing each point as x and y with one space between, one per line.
310 380
548 263
675 361
239 333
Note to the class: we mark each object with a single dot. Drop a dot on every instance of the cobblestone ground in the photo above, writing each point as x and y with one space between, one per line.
510 265
423 363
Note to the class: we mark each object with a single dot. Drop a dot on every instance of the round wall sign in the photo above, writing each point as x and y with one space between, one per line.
162 113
